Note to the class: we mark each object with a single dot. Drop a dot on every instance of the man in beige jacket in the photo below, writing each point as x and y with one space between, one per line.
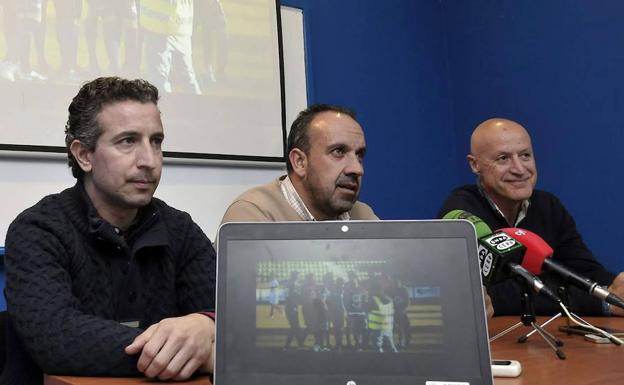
326 149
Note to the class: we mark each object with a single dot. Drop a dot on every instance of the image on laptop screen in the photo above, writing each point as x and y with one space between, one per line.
346 306
368 302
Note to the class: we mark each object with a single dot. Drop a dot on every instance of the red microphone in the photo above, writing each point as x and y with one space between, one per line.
537 258
537 250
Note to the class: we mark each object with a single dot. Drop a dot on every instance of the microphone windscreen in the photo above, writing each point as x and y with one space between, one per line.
537 250
496 252
481 228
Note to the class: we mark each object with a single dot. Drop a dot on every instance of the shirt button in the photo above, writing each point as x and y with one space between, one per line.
132 297
117 231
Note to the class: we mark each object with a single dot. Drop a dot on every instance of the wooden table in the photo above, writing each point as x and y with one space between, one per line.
586 363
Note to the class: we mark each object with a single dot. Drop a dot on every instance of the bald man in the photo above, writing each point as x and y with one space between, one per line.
501 156
326 149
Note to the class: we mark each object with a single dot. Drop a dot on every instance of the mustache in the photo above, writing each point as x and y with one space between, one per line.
349 181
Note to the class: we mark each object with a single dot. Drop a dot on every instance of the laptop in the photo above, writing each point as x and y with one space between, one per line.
350 303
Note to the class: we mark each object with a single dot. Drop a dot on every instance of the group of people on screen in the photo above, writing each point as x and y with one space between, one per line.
356 314
104 279
73 40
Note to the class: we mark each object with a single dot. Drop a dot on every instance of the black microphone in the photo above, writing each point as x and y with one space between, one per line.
584 283
538 258
495 251
500 255
534 282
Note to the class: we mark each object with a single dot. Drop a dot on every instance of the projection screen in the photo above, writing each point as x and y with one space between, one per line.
217 63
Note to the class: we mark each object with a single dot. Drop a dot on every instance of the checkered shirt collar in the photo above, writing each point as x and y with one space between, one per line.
295 201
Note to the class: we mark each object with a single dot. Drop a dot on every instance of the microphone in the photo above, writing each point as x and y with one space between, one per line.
499 255
534 282
497 252
481 228
538 258
494 250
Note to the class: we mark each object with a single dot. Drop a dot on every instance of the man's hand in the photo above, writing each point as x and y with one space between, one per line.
617 288
489 309
175 348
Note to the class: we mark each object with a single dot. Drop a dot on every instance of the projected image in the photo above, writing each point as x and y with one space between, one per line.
179 45
354 306
215 62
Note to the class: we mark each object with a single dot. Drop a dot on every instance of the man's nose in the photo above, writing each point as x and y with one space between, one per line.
148 156
354 166
517 166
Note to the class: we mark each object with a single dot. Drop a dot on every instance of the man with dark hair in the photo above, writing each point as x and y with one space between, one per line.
102 278
326 149
119 21
291 310
355 302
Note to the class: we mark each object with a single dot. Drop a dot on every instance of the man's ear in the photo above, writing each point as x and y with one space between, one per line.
474 165
299 161
82 155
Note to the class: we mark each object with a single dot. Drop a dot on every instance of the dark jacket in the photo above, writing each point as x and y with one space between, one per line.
72 278
546 217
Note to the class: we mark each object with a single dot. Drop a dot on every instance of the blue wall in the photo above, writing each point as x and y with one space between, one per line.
422 73
387 60
555 66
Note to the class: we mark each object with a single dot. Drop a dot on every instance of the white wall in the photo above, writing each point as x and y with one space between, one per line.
204 189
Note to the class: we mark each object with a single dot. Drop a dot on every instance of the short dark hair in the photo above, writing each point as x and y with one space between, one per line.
86 105
298 136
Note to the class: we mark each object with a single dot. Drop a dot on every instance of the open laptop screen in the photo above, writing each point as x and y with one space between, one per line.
333 302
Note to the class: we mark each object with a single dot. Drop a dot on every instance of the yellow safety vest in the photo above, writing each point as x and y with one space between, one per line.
167 17
383 317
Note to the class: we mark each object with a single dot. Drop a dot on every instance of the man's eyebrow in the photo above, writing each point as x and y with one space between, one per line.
345 146
125 133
